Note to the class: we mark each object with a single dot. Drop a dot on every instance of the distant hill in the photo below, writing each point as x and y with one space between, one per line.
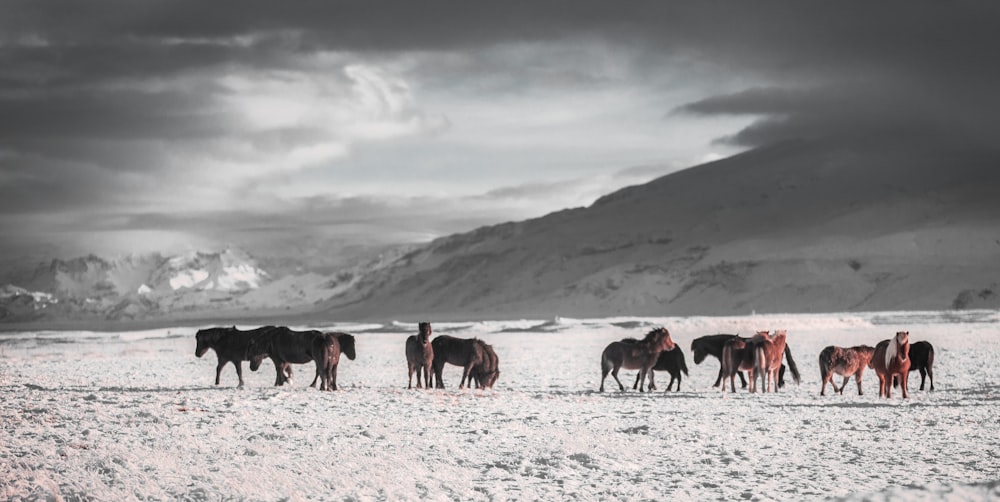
802 226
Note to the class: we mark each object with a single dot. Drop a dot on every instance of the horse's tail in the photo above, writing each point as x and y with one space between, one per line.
759 365
825 363
792 366
683 364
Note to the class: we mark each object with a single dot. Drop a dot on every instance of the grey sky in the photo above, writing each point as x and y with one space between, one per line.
137 125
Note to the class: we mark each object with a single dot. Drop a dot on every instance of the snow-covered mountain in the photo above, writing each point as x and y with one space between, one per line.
802 226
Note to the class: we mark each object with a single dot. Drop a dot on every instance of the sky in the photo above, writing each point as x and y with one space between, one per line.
135 126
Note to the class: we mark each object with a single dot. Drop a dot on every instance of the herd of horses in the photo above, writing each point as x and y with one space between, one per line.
761 356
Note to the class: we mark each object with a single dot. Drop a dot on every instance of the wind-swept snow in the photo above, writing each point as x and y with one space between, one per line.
122 415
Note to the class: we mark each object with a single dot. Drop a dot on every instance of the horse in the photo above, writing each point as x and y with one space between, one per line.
737 356
283 346
420 355
671 361
921 358
890 360
639 354
465 352
488 371
326 349
712 345
230 345
768 350
844 362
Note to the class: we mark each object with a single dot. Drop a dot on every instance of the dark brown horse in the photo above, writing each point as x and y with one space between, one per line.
230 345
465 352
326 350
420 355
768 351
712 345
283 346
671 361
891 360
737 356
844 362
486 374
635 355
922 359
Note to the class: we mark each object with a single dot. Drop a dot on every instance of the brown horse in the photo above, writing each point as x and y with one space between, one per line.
327 348
844 362
632 355
921 358
468 353
488 371
230 345
420 355
737 356
768 350
891 360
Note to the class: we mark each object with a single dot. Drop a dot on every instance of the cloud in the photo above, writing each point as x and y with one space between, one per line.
441 114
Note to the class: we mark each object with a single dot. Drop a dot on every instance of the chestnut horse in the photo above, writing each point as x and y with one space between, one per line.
922 359
632 355
420 355
737 356
230 345
327 348
844 362
712 345
891 360
768 350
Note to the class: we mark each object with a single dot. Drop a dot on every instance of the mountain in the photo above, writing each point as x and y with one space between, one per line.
802 226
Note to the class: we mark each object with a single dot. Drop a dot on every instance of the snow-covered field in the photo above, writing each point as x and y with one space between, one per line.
111 416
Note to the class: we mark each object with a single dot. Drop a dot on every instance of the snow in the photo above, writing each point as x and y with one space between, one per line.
113 415
144 289
188 278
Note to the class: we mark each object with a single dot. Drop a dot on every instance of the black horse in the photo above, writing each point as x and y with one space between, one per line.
230 345
711 345
921 358
283 346
671 361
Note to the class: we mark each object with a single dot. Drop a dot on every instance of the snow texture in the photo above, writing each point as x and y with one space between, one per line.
113 416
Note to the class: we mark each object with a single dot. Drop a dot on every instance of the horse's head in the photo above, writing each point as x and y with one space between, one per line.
661 339
257 349
207 338
903 344
347 345
425 333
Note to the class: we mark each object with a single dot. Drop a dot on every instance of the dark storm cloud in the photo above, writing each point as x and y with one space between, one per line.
91 90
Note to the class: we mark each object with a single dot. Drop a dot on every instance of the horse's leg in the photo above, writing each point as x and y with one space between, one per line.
239 371
904 380
636 384
719 378
923 374
465 375
930 375
409 376
743 381
438 381
218 370
652 383
333 376
614 373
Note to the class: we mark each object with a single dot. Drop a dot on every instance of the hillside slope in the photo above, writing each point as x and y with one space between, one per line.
796 227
